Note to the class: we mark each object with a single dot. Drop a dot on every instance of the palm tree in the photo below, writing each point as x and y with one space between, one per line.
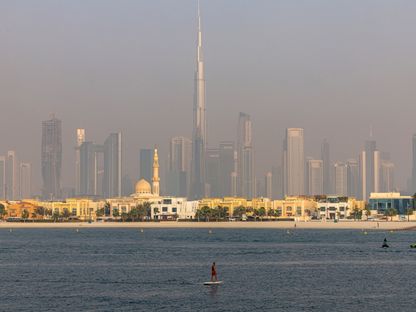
203 213
134 213
116 213
100 212
148 209
56 215
239 211
409 212
124 216
40 211
66 214
3 211
107 209
261 212
25 214
391 212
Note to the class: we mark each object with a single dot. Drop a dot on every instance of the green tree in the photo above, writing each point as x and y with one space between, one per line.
391 212
356 213
56 216
66 214
3 211
25 214
116 213
409 212
40 211
107 209
148 209
239 211
100 212
124 216
203 213
134 213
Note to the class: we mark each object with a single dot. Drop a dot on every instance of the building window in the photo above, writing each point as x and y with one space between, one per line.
299 211
74 211
288 208
174 209
167 201
322 208
164 209
341 208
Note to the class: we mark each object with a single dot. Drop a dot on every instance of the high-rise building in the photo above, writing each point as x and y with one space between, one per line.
146 163
12 176
353 178
126 186
315 177
112 166
277 183
2 177
377 169
88 177
387 177
413 191
51 158
340 177
370 148
80 140
326 162
363 176
245 166
199 123
213 172
226 167
25 180
268 185
295 161
179 169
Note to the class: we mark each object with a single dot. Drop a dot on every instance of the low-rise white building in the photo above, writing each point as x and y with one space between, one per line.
333 207
172 208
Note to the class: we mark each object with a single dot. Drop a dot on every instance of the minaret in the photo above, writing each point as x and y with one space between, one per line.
156 179
199 122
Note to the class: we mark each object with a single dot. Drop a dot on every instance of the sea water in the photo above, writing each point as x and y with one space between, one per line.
164 270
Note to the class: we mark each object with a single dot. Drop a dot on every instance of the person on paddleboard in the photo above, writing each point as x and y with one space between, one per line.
213 273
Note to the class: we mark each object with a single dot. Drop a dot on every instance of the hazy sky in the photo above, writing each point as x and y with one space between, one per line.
332 67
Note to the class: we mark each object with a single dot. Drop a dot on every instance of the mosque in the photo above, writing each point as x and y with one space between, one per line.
162 207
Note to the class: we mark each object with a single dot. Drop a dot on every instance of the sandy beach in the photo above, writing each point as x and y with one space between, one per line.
361 225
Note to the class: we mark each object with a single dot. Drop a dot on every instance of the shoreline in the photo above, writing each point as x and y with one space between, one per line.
318 225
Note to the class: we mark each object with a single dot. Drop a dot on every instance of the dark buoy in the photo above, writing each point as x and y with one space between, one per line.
385 245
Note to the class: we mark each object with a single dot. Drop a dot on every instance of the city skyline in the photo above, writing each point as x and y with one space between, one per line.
346 143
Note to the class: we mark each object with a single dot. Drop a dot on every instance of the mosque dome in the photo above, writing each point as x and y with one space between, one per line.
143 187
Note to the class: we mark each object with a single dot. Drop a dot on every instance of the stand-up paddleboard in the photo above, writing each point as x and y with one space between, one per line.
213 283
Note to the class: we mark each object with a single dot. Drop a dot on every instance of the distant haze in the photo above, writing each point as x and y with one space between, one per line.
332 67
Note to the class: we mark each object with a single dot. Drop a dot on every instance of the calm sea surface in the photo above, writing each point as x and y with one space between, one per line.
163 270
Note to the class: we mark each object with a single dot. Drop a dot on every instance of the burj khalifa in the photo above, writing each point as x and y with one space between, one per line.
199 123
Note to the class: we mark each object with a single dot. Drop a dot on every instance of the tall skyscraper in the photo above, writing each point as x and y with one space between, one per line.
179 169
245 167
326 161
268 185
213 172
199 123
353 178
277 183
295 161
363 176
51 158
25 180
2 177
88 169
12 176
226 167
377 171
370 148
146 163
80 140
413 191
112 166
341 182
315 177
387 176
